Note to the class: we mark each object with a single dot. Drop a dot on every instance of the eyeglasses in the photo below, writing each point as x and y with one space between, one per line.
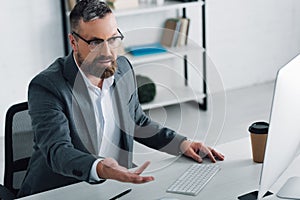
112 42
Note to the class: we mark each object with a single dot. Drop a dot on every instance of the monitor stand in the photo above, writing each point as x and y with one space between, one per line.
290 190
252 195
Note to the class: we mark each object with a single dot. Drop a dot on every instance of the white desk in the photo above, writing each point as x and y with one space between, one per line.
239 175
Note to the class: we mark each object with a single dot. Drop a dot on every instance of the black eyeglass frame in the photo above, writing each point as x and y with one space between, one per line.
121 36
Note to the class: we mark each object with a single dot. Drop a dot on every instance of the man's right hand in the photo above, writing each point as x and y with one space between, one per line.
110 169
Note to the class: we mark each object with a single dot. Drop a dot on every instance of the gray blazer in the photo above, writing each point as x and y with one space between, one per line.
65 128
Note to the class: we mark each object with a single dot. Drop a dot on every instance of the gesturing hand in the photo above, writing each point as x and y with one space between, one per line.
198 150
110 169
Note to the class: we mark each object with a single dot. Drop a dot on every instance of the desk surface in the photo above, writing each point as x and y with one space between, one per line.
238 175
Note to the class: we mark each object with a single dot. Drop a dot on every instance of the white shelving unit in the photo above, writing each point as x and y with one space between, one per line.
151 8
173 94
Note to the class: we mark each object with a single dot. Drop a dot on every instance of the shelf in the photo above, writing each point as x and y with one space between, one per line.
151 8
171 53
173 95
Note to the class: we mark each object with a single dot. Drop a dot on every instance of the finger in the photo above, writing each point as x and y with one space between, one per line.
195 156
134 178
143 179
218 155
210 155
142 168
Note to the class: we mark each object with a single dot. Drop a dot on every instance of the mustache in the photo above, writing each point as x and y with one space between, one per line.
101 58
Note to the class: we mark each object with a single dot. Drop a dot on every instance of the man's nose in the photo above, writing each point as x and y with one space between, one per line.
105 49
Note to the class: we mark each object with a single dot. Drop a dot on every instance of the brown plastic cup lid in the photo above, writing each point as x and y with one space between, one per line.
259 127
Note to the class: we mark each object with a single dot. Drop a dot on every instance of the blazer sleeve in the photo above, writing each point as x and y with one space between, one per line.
151 133
52 130
154 135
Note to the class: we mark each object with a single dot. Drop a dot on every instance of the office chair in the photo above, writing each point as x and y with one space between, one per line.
18 148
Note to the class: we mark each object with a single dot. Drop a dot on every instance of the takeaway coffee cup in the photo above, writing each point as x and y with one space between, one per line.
258 133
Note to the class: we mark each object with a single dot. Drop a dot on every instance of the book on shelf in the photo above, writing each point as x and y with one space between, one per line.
170 32
71 4
122 4
183 33
175 32
146 49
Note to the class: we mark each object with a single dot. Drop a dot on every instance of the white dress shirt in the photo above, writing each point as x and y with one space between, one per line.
109 141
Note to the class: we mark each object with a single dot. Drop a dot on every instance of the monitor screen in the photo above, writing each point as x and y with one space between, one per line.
284 132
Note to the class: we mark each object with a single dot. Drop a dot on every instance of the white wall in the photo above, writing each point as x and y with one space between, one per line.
248 41
31 38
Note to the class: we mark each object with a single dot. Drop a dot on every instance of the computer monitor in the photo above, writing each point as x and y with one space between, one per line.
284 132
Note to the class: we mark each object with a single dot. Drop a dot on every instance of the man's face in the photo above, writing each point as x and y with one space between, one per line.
101 60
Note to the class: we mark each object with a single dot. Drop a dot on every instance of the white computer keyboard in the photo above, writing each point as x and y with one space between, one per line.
194 179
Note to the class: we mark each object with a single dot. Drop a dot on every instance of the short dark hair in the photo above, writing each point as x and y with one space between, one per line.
88 10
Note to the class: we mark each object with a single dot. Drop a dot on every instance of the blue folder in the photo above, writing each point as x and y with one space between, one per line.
146 49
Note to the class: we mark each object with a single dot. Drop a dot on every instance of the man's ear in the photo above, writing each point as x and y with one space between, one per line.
73 42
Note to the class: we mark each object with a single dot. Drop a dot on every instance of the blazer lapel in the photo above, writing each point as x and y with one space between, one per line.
123 119
85 108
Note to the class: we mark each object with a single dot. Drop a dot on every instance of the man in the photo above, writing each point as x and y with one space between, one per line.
85 112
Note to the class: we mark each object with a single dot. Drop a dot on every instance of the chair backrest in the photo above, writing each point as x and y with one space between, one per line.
18 145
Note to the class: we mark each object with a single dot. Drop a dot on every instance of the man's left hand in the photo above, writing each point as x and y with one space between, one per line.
198 150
